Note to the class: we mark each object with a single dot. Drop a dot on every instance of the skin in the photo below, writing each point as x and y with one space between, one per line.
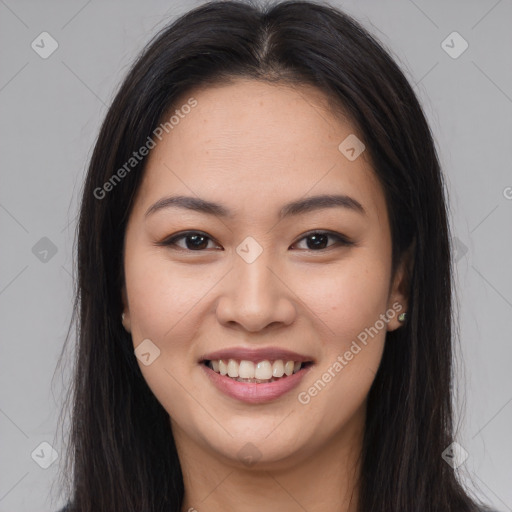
254 146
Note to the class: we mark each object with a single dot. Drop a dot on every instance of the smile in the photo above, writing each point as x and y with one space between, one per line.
255 382
259 372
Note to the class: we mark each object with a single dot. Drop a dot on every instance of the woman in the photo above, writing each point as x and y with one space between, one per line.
230 356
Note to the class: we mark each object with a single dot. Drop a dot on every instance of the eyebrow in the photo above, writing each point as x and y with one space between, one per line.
297 207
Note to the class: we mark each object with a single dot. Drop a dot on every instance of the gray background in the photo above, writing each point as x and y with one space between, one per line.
51 111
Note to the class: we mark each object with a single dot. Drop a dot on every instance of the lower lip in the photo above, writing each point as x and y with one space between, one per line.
252 392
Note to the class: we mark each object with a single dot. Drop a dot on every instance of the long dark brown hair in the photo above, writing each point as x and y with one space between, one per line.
121 454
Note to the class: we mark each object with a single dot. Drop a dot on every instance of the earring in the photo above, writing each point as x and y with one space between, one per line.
402 317
122 317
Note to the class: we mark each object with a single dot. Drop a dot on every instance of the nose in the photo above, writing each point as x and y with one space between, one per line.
255 296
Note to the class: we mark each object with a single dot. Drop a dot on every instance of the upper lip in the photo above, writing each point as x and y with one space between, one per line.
256 355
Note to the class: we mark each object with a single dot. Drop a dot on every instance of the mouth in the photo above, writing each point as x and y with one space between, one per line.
259 372
255 375
254 380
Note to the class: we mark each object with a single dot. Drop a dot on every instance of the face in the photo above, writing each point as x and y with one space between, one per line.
255 280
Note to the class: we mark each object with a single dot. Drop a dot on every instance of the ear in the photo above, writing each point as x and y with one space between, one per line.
125 318
399 293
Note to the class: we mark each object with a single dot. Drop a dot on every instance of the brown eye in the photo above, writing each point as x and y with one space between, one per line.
194 241
318 240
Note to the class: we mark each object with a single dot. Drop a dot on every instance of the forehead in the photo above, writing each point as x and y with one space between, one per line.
249 141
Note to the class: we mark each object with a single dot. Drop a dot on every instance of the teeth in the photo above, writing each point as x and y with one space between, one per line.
288 367
223 367
248 371
278 368
233 368
263 370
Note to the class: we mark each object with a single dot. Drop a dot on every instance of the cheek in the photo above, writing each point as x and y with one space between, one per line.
162 299
346 297
166 298
347 303
161 294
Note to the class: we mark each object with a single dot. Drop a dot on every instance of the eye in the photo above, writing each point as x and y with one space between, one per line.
318 240
194 241
198 241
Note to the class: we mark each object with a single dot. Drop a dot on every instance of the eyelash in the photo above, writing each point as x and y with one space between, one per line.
341 240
